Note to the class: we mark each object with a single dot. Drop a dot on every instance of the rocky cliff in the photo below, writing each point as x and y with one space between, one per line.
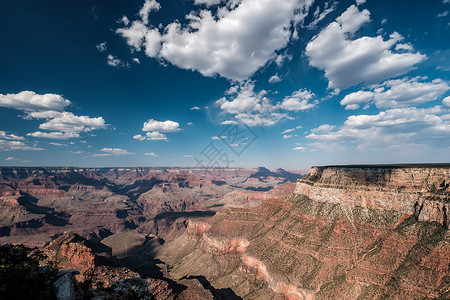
345 233
422 191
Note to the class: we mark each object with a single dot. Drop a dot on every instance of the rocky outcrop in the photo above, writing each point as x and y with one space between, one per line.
420 191
344 234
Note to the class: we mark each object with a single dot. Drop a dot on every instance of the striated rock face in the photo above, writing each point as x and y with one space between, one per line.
346 233
422 191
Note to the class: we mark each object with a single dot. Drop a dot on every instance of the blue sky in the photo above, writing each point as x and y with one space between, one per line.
216 83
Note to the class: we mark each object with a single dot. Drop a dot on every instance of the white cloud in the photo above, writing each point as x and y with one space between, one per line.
139 137
187 155
151 154
446 101
189 123
113 61
58 144
207 2
398 126
10 158
156 136
195 108
234 42
215 138
9 145
348 62
161 126
274 79
54 135
112 152
151 136
149 5
398 93
299 149
5 136
229 122
354 100
359 2
102 47
65 125
29 101
406 47
291 129
286 136
319 16
136 60
298 101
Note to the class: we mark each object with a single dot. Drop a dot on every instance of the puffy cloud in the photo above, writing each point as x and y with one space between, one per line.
149 5
298 101
348 62
359 2
151 136
161 126
398 93
234 41
398 126
65 125
151 154
155 128
112 152
446 101
274 79
354 100
287 136
29 101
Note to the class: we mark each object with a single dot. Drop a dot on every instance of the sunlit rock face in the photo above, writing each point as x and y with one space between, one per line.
422 191
344 233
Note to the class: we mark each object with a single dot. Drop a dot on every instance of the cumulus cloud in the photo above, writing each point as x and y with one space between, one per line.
153 129
299 100
29 101
112 152
161 126
446 101
398 93
65 125
235 41
397 126
348 62
274 79
248 107
256 109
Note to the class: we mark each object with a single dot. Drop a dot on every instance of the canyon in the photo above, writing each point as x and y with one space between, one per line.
339 232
